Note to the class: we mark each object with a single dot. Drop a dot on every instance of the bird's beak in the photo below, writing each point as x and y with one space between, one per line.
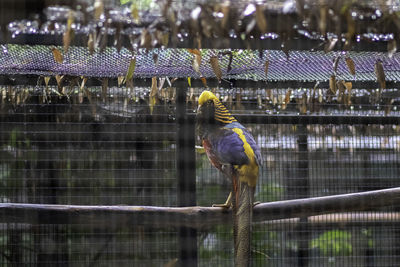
198 109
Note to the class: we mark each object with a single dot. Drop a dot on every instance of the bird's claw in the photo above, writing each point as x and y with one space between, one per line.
256 203
225 206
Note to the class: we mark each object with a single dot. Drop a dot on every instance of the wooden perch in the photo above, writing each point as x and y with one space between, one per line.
196 217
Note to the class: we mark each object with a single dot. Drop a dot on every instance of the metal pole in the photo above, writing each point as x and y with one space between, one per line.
303 187
186 175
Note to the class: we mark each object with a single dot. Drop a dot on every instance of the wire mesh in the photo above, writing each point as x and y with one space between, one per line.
74 150
245 64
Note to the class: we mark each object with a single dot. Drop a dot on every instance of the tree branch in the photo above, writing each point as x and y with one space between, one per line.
196 217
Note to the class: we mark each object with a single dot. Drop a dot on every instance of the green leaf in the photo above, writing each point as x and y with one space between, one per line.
123 2
131 69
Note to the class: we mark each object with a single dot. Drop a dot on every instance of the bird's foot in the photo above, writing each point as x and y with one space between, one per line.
256 203
225 205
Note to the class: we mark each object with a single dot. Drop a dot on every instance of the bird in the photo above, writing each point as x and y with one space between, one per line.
231 148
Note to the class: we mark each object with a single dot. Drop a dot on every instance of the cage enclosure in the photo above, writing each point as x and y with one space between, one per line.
100 159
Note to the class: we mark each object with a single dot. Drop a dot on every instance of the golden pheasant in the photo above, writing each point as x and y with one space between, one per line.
232 150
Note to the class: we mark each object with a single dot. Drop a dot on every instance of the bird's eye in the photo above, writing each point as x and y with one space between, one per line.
210 101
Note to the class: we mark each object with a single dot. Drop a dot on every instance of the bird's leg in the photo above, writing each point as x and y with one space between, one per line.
227 204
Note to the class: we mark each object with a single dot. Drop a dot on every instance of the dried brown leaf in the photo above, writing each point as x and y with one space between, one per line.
332 84
348 86
204 81
91 43
259 102
303 104
380 74
268 93
98 9
69 33
104 89
391 47
145 39
225 12
351 66
59 79
266 66
287 99
153 94
388 106
216 68
171 263
330 44
261 21
335 64
120 80
58 57
323 14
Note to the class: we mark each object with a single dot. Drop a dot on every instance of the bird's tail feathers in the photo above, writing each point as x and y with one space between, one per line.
243 216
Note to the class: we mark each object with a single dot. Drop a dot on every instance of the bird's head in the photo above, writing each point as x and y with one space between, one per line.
212 111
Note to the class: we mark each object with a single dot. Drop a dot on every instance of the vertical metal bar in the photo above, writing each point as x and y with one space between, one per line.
303 187
186 175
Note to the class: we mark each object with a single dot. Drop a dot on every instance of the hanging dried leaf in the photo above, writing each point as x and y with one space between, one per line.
59 79
229 101
287 99
335 64
303 104
153 94
239 105
391 47
204 81
266 66
332 84
91 43
3 96
84 79
155 59
347 97
69 33
194 51
165 39
323 14
260 19
145 39
348 86
216 68
135 12
320 96
330 44
259 102
351 66
131 69
120 80
58 57
341 90
104 89
98 9
46 81
173 262
229 67
225 12
268 93
351 31
388 106
117 37
380 74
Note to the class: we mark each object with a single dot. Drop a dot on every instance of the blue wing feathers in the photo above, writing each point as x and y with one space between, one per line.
229 148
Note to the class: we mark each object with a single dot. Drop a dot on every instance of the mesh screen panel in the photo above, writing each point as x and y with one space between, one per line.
246 64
